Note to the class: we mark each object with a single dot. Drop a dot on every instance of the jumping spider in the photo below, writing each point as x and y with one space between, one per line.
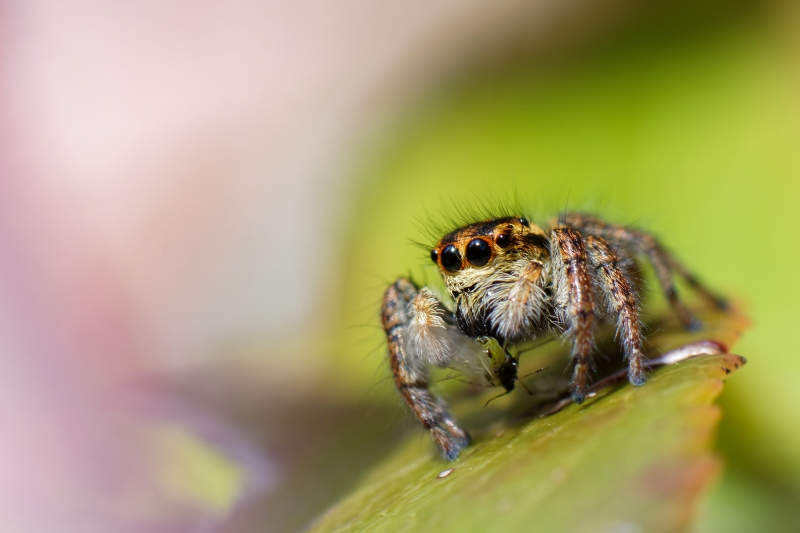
511 281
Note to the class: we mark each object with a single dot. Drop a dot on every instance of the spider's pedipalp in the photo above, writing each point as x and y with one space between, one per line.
518 307
426 332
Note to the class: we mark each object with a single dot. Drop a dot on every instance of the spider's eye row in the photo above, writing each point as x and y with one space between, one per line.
435 255
503 240
451 259
478 252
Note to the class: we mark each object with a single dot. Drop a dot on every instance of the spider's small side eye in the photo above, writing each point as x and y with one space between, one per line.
503 240
435 255
451 259
524 222
478 252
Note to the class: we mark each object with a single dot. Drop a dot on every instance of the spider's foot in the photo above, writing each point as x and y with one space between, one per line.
690 323
722 304
578 396
693 324
451 445
637 378
450 455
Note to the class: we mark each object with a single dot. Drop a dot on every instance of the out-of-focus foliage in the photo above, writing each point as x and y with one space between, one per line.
687 125
628 459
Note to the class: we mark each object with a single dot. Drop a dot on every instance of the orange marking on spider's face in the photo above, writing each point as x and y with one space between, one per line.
479 244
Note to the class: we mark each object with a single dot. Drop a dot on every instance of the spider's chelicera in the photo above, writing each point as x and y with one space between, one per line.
510 282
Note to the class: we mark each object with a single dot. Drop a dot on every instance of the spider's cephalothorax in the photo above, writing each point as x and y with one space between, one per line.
511 281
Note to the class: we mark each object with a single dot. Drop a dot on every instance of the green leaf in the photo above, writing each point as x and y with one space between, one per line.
628 459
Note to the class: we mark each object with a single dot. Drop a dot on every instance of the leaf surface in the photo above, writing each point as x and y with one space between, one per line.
628 459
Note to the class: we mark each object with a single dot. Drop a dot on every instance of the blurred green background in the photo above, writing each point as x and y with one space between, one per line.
683 119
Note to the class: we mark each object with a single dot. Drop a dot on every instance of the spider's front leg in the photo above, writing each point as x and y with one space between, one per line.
620 301
413 322
573 301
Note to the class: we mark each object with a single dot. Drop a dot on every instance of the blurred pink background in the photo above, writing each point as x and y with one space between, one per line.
172 183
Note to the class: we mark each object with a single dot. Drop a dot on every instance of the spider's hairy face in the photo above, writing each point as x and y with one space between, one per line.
483 264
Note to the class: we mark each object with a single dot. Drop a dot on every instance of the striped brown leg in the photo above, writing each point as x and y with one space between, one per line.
661 265
693 282
410 373
573 301
664 264
620 301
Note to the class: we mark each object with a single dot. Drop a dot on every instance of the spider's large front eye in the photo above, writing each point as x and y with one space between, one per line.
451 259
478 252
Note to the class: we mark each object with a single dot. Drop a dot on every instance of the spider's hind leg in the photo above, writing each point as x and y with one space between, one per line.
407 316
634 242
718 301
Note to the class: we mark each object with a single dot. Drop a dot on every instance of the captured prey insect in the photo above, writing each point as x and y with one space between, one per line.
510 282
